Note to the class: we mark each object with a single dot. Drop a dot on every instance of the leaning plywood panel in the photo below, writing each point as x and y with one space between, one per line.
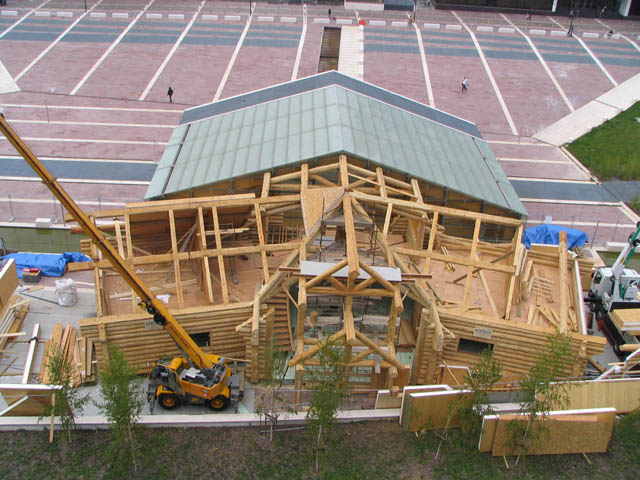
488 433
568 431
8 282
623 394
433 410
25 399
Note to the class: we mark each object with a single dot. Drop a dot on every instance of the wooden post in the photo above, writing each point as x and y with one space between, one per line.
562 283
53 408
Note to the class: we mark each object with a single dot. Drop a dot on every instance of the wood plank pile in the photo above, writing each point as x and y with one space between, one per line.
565 431
78 351
143 342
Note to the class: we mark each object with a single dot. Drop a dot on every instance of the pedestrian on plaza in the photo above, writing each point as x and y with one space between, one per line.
464 84
170 94
329 14
610 34
529 16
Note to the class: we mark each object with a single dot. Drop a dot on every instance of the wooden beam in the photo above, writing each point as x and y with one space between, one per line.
316 348
379 351
261 242
369 292
379 278
205 260
473 259
176 261
487 218
455 260
517 243
327 273
220 255
266 184
349 325
349 227
562 283
487 290
432 239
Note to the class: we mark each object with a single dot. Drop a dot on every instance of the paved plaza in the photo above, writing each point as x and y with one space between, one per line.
87 89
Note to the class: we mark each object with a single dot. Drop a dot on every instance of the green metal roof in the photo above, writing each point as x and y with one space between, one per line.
325 121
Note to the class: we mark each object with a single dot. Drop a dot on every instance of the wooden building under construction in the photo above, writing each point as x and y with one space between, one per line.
327 208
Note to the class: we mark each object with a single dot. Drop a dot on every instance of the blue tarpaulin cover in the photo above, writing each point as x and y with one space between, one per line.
549 235
50 265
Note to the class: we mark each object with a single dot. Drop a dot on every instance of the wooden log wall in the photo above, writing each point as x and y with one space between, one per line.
281 323
143 342
516 345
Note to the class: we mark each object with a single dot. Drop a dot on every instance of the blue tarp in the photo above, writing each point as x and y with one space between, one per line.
50 265
549 235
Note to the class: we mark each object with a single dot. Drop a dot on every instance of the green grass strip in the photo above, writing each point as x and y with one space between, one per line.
612 150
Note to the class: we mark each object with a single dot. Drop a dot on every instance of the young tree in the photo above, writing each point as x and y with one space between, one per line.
330 389
68 401
121 391
480 380
542 393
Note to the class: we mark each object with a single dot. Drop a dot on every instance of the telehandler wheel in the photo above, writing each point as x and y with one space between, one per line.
168 401
219 403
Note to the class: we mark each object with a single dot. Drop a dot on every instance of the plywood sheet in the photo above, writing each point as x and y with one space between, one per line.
488 433
622 394
316 201
417 389
25 400
571 431
8 282
432 410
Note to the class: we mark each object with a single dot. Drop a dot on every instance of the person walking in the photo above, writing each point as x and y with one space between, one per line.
464 84
170 94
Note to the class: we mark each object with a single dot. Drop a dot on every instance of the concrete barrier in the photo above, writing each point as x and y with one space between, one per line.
507 30
344 21
9 13
65 14
154 16
590 35
431 25
534 31
176 16
377 23
95 422
485 29
120 15
321 20
44 14
557 33
265 19
232 17
453 27
399 24
209 17
288 19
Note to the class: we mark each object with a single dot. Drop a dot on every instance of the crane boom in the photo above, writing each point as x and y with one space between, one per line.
149 303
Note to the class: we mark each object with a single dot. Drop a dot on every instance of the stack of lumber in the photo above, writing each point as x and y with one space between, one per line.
11 317
565 431
78 352
143 342
627 320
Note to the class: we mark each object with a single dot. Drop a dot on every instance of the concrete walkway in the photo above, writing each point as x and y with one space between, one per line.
593 114
7 82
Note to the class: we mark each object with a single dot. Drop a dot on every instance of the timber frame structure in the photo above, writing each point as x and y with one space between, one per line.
412 283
